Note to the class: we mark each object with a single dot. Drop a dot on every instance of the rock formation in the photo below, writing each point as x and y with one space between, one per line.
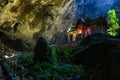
29 19
100 55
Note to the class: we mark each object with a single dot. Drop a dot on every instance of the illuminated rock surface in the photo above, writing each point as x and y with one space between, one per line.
29 19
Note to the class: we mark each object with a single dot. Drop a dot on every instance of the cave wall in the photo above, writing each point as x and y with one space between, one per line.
29 19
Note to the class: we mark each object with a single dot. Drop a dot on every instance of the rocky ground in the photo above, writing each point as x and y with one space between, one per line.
100 55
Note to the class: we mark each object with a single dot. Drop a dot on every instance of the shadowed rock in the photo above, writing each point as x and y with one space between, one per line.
100 57
13 44
41 51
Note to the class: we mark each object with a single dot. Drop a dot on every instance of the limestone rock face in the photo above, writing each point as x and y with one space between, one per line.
29 19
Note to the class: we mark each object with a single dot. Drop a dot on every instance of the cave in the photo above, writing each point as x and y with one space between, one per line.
59 39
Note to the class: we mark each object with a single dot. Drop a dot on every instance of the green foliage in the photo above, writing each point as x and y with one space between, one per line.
64 55
51 71
47 71
67 52
64 52
54 56
113 22
25 58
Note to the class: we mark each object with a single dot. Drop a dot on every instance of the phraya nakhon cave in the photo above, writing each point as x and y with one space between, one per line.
59 39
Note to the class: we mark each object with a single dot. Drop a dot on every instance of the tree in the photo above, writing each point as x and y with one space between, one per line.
113 23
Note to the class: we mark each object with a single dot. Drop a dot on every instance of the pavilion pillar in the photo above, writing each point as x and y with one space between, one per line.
68 39
74 37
